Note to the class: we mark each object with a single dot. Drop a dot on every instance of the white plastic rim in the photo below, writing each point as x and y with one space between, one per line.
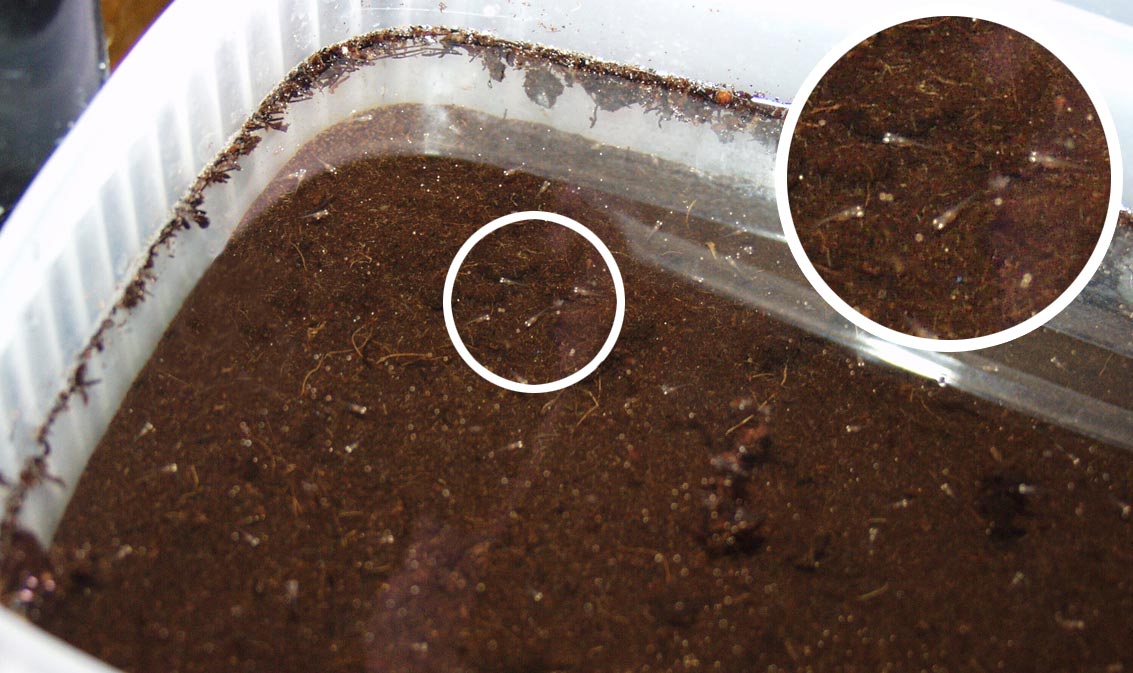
1019 19
611 266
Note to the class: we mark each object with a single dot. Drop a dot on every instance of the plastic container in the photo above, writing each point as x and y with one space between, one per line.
84 228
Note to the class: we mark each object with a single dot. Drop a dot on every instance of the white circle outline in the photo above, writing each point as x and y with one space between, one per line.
1050 41
611 266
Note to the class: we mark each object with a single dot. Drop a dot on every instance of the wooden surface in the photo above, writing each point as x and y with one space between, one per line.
125 21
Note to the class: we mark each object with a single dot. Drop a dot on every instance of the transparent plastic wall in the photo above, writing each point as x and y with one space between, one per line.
84 229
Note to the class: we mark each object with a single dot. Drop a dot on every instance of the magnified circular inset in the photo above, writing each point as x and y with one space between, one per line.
950 184
534 302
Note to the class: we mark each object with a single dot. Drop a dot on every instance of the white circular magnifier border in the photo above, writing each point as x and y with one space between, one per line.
1072 57
611 265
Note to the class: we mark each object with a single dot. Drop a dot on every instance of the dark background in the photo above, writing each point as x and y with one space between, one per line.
54 55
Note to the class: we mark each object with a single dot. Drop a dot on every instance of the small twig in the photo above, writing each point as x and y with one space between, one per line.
301 257
354 343
424 356
590 410
303 386
550 403
175 378
739 425
1105 364
875 593
826 108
